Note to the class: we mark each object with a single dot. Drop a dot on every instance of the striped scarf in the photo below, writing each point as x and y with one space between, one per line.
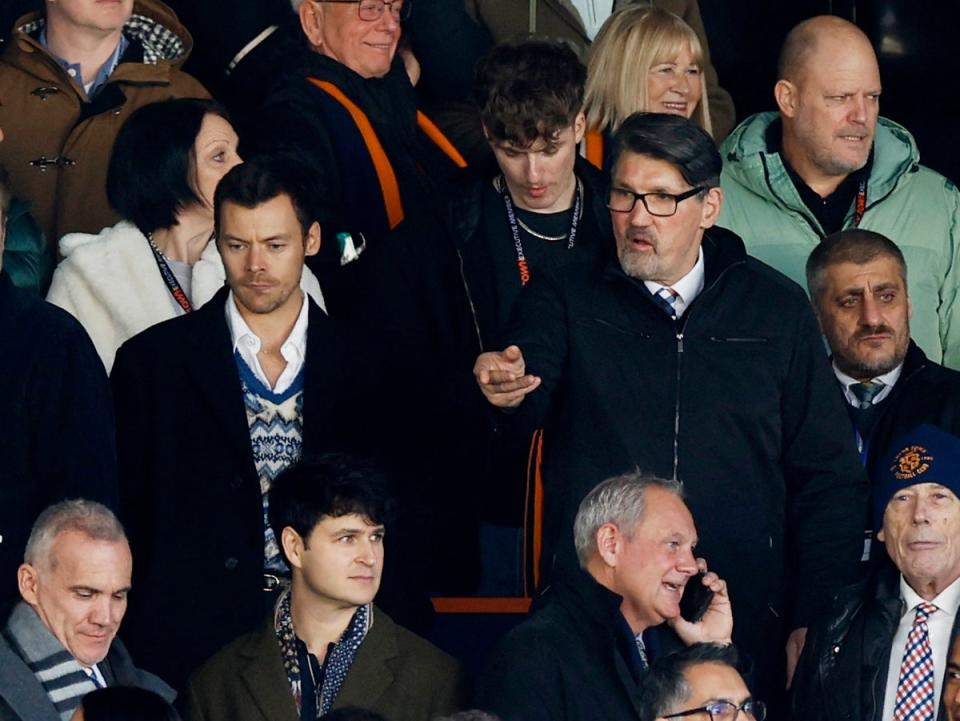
60 674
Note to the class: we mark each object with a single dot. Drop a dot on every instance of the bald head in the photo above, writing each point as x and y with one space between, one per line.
828 95
824 34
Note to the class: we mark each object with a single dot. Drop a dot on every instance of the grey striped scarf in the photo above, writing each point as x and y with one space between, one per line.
61 676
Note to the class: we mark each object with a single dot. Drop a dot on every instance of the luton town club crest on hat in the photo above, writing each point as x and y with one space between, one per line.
911 462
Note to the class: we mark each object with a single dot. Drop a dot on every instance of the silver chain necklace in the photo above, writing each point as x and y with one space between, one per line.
541 236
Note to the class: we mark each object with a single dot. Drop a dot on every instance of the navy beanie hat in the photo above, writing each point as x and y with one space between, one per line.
926 454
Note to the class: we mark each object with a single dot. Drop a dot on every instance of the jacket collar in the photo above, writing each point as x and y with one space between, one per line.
370 675
914 361
722 250
750 160
262 672
583 595
599 609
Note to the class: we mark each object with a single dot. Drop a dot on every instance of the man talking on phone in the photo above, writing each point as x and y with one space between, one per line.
581 655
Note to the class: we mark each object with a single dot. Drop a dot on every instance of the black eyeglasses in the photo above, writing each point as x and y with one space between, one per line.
662 205
726 710
372 10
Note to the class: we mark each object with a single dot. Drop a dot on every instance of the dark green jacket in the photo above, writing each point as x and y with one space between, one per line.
395 673
24 258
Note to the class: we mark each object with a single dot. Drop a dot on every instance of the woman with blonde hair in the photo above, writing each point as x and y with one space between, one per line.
644 59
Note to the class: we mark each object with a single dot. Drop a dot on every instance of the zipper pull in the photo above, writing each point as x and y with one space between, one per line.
680 342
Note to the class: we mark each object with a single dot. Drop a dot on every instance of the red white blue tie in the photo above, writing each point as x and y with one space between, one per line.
915 688
667 298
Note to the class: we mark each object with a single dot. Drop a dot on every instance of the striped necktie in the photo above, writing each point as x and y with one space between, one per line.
642 650
667 298
914 700
866 392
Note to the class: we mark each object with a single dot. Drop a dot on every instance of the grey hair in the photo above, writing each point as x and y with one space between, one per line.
88 517
620 500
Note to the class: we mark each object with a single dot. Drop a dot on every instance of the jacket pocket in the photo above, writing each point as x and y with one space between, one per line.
608 326
736 339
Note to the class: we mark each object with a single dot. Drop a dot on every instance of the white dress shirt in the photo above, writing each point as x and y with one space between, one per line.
594 14
940 625
293 350
888 380
687 288
95 675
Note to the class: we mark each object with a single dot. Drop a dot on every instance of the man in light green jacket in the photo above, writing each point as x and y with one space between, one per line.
827 161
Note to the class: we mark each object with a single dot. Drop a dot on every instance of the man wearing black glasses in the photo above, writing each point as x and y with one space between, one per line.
686 358
700 682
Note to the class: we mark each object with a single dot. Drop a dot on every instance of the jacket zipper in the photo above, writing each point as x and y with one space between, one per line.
473 310
676 413
814 226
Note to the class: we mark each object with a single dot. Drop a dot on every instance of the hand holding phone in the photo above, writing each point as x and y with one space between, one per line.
696 599
705 612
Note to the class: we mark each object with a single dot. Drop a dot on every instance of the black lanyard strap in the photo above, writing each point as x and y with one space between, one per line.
169 278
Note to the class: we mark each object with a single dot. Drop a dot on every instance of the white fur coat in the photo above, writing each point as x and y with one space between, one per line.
111 284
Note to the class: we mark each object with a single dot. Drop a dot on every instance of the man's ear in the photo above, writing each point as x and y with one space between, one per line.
311 22
786 96
712 203
312 242
609 544
27 581
579 126
880 536
293 546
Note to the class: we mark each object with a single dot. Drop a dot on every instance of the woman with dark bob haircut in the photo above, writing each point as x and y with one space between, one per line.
160 261
122 703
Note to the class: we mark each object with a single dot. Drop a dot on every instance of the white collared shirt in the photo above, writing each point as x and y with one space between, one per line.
687 288
593 13
888 379
940 625
95 675
293 350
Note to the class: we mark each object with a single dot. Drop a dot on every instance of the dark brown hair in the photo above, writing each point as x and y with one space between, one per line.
529 89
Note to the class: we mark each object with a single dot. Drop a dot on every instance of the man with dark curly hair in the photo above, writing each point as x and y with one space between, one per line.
539 207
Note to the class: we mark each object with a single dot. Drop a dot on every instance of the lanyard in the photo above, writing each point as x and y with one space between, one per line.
860 206
522 266
169 278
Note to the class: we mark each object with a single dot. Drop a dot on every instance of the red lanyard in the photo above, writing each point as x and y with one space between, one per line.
860 206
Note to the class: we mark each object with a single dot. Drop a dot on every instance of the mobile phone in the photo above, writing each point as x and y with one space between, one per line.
696 599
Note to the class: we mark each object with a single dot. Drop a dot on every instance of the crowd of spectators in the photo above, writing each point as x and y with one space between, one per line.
502 287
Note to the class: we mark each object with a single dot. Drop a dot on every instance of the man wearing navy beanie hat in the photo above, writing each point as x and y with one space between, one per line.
881 653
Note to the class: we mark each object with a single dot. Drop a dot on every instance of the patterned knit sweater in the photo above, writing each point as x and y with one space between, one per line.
275 421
